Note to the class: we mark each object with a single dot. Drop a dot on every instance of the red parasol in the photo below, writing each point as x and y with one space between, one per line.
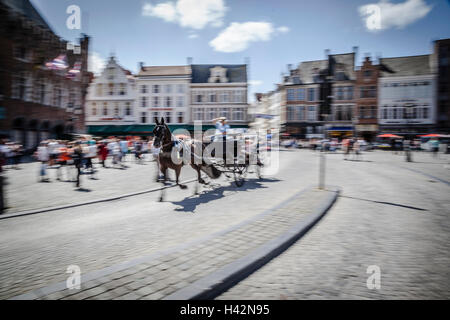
389 135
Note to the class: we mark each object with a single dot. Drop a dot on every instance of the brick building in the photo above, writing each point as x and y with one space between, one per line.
367 100
37 103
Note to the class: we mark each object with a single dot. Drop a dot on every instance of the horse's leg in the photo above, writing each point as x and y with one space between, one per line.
177 175
163 191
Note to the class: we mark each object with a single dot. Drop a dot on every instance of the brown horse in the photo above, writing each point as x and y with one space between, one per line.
165 141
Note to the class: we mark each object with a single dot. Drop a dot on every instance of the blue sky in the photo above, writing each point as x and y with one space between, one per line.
271 33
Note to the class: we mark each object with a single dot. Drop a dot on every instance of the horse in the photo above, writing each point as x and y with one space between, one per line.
165 141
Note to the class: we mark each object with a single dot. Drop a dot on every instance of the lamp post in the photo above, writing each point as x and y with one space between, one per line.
407 146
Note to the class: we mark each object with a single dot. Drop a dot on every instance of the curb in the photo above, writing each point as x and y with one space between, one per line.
214 284
73 205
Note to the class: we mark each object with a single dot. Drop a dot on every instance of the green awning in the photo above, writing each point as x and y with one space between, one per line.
142 130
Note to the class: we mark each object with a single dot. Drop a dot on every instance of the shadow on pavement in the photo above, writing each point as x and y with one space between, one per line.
383 202
190 204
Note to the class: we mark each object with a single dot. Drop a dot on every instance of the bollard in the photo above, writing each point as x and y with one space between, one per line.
322 171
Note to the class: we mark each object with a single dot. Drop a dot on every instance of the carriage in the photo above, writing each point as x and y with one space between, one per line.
236 155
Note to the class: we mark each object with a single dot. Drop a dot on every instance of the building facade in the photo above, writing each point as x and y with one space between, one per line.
163 91
219 91
37 102
406 95
367 100
111 99
442 68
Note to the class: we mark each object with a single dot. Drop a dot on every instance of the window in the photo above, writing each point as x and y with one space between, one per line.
385 113
290 95
105 109
180 88
425 113
311 113
156 102
198 98
290 113
168 118
180 117
111 89
226 96
339 93
156 88
128 109
155 115
301 94
122 89
94 109
198 114
300 113
143 88
168 102
238 114
143 102
116 110
180 102
168 88
367 73
225 112
211 114
368 92
212 97
311 94
143 117
394 113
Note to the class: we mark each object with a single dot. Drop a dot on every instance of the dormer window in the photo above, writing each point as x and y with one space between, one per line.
218 75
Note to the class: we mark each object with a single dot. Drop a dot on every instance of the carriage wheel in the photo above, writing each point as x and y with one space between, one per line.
239 174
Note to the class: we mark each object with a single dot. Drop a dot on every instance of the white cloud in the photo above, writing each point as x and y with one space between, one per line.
194 14
283 29
96 63
384 15
238 36
255 83
165 11
193 36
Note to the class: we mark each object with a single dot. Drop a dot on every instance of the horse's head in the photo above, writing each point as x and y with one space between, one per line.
161 133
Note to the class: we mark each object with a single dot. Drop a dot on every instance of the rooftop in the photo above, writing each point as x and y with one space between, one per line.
405 66
165 71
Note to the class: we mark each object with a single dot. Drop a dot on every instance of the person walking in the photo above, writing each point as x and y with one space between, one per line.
77 157
43 155
102 153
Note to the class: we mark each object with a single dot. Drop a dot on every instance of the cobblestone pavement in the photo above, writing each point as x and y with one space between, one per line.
386 216
107 182
36 250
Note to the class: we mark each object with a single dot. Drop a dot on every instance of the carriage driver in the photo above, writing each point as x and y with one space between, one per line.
221 127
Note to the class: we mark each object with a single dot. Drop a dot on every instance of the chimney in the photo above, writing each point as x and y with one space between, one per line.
355 51
327 53
189 60
140 66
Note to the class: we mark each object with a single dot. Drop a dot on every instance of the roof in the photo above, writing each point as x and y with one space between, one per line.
165 71
25 8
405 66
338 62
235 72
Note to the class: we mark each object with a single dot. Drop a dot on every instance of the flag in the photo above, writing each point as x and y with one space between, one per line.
72 73
59 63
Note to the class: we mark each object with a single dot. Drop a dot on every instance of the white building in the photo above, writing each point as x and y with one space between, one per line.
163 91
111 99
406 95
219 91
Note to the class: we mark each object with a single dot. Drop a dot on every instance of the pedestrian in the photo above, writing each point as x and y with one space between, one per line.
77 157
43 155
90 154
102 153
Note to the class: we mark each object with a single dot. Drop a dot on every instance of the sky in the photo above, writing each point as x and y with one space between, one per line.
270 33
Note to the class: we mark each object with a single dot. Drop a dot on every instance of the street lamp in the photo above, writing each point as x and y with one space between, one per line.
407 146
